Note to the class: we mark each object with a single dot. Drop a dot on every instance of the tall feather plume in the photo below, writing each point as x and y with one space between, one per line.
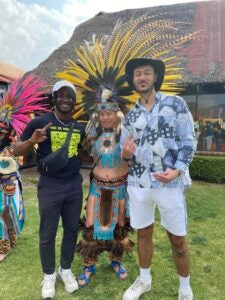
24 96
100 63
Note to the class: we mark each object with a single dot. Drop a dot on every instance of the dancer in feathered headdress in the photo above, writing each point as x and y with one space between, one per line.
100 64
99 74
24 96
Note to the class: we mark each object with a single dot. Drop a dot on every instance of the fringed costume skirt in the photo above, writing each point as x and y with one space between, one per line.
11 205
107 195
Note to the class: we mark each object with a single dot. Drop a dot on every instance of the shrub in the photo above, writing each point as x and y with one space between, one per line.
208 168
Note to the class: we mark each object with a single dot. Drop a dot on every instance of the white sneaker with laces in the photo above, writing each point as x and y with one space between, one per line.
69 280
138 288
48 286
185 294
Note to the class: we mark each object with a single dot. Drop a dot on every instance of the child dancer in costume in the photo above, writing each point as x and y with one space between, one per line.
20 99
106 209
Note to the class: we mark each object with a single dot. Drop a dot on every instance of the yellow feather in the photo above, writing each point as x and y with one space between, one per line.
147 36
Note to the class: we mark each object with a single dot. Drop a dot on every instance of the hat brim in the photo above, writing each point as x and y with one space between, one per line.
63 83
158 66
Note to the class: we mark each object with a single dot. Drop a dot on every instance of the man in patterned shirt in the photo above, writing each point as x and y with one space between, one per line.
159 142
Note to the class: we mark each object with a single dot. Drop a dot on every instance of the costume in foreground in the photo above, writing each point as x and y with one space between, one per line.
20 99
100 70
110 198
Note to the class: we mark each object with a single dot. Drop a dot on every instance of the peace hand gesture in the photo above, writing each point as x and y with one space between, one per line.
39 135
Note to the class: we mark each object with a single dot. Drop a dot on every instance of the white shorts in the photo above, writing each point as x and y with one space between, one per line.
170 203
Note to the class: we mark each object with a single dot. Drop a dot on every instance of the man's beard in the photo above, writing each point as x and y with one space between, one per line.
145 91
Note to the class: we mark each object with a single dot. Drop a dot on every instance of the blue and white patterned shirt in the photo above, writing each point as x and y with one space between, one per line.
165 139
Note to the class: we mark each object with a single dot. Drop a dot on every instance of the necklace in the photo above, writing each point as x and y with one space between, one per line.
64 124
146 99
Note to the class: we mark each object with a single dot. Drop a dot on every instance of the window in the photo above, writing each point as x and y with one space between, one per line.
208 112
3 88
211 122
191 102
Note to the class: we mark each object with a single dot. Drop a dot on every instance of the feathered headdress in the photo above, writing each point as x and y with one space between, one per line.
100 64
24 96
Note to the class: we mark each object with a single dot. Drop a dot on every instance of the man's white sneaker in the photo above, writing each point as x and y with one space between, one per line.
69 280
185 294
138 288
48 286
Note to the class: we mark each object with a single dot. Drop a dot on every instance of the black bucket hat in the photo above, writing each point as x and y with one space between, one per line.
158 66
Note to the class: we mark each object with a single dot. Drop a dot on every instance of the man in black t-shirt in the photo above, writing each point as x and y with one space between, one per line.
59 194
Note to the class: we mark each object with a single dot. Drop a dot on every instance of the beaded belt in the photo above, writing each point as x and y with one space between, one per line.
6 177
112 182
7 183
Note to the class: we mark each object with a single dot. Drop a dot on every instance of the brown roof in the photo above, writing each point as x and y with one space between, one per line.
203 59
9 73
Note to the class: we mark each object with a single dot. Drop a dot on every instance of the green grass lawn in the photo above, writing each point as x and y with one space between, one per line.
21 275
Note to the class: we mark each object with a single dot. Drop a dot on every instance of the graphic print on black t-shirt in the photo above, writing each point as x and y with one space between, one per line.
58 136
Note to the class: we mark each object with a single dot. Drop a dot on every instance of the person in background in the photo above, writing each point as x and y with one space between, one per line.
158 138
11 200
22 97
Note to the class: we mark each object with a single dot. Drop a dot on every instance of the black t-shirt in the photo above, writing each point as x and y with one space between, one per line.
56 137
